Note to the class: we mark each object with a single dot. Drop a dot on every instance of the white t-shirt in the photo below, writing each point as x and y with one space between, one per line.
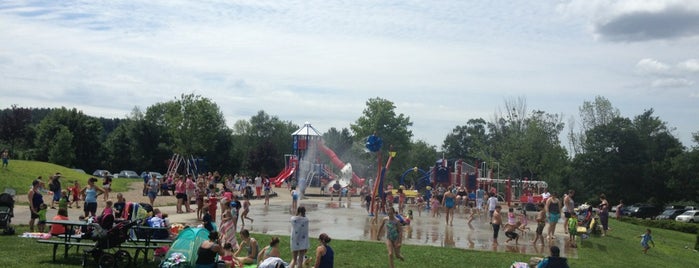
545 195
258 181
492 202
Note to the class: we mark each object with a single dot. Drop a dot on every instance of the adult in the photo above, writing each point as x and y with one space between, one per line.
492 202
258 186
272 250
553 261
190 187
299 237
336 189
153 188
325 257
545 196
251 247
106 185
619 209
267 188
146 179
55 187
568 206
59 229
480 199
180 194
206 254
553 210
448 201
604 213
35 200
90 192
5 158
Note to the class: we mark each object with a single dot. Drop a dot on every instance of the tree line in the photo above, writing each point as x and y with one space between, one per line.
608 154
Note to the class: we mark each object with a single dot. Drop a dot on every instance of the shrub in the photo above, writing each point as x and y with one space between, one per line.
684 227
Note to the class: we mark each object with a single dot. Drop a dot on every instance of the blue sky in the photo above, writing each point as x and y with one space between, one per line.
440 62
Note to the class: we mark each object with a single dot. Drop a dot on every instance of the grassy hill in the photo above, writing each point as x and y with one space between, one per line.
20 175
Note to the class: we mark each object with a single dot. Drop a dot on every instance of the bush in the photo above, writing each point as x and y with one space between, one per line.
684 227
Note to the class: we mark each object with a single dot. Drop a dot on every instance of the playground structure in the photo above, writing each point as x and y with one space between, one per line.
460 173
188 165
303 165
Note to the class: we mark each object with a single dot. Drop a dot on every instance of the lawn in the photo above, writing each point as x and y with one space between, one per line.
20 175
619 249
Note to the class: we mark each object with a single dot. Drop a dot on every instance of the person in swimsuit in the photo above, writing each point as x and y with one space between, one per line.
448 201
35 200
553 210
246 210
206 254
250 245
90 192
269 251
394 236
325 256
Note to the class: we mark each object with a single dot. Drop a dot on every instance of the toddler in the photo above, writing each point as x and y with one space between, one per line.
42 217
645 239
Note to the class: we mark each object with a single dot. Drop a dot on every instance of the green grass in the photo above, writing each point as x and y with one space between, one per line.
20 175
619 249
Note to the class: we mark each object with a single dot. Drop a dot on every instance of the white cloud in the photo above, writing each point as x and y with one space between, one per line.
672 82
652 66
691 65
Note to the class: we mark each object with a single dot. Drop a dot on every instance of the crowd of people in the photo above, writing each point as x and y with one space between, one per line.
232 195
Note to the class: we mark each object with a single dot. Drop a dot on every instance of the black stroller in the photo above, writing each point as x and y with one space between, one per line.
7 206
109 239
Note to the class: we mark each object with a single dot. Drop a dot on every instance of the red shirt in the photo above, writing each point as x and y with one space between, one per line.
57 229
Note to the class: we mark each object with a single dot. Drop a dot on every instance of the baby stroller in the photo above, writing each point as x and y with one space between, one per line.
7 205
109 239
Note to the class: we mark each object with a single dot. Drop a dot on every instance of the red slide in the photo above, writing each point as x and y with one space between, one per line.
338 163
283 176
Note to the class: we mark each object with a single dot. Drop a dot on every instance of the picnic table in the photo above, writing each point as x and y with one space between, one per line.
67 237
149 243
144 244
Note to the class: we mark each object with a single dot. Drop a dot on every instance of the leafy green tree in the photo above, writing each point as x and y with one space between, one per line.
15 126
85 132
380 117
268 139
468 142
592 114
61 148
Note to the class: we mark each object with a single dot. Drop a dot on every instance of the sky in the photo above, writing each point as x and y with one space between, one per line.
440 62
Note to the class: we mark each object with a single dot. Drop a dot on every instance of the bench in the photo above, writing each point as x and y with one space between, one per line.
138 249
67 245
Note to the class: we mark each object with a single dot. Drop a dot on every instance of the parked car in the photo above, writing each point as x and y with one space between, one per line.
101 172
151 174
642 211
689 216
670 213
128 174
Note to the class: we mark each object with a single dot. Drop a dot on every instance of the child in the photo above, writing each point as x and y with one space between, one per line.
473 214
63 202
75 190
394 235
420 205
511 216
435 206
525 221
294 198
645 239
246 210
496 222
511 232
573 228
228 257
540 224
42 217
206 220
108 208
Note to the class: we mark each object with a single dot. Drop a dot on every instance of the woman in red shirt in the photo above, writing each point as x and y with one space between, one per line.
59 229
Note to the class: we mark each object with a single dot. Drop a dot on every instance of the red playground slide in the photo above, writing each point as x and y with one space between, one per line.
338 163
283 176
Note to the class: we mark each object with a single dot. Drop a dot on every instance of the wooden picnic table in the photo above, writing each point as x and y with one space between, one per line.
67 237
